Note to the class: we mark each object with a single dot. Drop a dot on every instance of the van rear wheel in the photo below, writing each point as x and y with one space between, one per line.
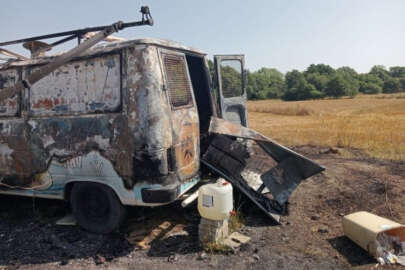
96 207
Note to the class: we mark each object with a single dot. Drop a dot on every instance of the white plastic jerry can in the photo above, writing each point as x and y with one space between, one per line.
215 201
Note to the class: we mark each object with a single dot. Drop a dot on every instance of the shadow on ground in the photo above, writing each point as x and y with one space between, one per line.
28 235
355 255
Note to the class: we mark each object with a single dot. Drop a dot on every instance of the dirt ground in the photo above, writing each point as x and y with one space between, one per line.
310 237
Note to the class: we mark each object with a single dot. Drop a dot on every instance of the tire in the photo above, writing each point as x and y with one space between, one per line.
96 207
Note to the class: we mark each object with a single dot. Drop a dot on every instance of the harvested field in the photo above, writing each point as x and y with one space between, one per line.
375 124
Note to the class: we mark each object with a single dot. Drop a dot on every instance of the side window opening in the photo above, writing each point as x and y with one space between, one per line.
231 78
178 83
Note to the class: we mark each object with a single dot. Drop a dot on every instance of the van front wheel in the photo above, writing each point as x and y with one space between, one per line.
96 207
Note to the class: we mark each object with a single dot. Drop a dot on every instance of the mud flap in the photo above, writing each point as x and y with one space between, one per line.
280 169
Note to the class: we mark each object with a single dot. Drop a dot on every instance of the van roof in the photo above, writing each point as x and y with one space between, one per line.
106 48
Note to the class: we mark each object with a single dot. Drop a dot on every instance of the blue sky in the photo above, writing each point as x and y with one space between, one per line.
275 33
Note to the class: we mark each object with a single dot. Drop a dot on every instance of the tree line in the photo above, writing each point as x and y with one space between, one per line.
320 80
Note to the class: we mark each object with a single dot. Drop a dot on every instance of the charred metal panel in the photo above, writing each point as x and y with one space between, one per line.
148 111
282 180
148 115
17 154
305 166
232 158
229 158
150 164
87 86
10 106
184 115
72 113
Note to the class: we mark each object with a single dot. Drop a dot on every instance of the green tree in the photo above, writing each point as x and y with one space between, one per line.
391 85
302 92
319 75
320 69
371 78
211 68
337 87
381 72
397 72
402 83
265 83
274 80
318 80
294 79
231 81
370 88
351 78
297 87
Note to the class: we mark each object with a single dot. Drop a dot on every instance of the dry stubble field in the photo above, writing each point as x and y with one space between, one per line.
375 124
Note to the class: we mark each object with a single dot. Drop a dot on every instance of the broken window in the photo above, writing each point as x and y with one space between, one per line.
178 83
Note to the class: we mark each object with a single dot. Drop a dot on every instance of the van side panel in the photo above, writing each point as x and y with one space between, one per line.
110 110
148 115
84 87
75 110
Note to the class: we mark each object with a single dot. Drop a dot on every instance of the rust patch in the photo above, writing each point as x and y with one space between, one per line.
186 154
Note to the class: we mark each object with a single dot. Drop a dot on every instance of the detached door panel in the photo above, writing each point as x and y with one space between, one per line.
231 88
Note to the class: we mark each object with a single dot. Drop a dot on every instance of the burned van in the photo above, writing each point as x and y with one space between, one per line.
130 123
123 119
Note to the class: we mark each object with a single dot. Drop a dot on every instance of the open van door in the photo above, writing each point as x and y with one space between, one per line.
231 85
262 169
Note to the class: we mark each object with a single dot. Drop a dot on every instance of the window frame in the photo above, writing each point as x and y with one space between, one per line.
242 90
162 53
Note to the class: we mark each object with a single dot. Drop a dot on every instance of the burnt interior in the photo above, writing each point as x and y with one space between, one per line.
200 80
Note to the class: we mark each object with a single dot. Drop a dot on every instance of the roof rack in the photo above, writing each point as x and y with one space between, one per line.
36 46
39 47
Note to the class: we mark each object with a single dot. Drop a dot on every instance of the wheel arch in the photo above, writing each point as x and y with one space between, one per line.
69 186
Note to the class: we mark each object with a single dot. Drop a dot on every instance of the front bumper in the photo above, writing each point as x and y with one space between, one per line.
156 194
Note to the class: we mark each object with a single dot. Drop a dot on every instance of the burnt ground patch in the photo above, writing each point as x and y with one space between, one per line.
309 237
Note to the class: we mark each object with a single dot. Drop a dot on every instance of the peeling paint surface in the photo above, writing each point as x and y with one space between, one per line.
87 86
11 106
90 167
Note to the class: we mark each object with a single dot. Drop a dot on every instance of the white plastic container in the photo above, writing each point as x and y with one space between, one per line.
215 201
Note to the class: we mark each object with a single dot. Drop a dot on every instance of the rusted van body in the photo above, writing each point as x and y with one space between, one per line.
128 115
130 123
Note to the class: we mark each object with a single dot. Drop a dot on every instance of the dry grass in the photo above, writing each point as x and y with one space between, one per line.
236 221
213 248
375 124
